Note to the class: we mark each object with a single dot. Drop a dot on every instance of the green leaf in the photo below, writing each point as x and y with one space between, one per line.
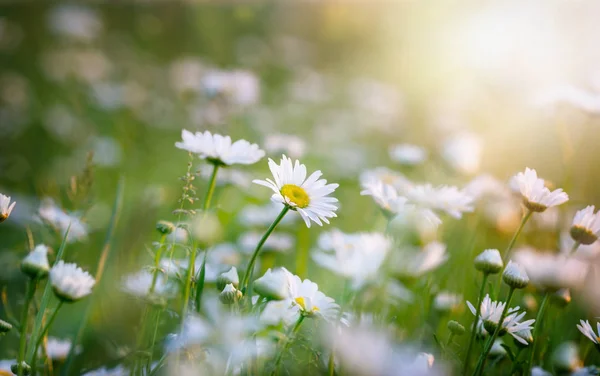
200 283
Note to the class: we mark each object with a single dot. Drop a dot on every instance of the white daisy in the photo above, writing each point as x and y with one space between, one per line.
586 329
218 149
36 264
408 154
463 152
449 199
274 284
70 282
414 262
355 256
536 197
392 204
5 207
490 316
308 196
51 214
386 176
586 225
547 270
58 349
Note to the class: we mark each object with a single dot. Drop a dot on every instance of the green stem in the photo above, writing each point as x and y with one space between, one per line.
47 327
246 280
287 344
488 348
450 337
516 235
474 329
536 329
574 248
188 280
157 257
211 187
31 286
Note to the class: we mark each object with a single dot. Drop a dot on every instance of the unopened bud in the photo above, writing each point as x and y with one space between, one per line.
165 227
456 328
229 277
230 295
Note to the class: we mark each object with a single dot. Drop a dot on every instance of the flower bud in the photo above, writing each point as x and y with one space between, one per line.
230 295
4 327
489 261
456 328
165 227
497 349
26 369
274 284
566 358
229 277
515 276
35 264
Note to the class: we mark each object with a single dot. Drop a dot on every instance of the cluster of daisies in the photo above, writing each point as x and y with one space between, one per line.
248 324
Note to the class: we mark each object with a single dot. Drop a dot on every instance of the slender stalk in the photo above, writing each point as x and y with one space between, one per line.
287 344
188 280
211 187
157 257
474 330
31 286
536 329
246 281
488 348
343 301
47 327
106 250
574 248
516 235
205 206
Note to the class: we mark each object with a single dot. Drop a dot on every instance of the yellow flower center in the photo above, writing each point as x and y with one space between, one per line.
300 301
296 194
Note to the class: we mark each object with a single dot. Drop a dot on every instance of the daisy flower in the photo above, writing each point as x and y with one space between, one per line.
408 154
414 262
70 282
586 225
5 207
58 349
138 284
586 329
308 196
218 149
490 315
355 256
445 198
536 197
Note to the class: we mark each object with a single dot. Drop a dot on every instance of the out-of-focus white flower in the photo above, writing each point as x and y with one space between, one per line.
36 264
497 348
582 99
186 75
386 176
552 271
179 236
276 242
75 21
218 149
583 252
565 358
287 144
308 196
536 197
263 215
116 371
5 207
539 371
86 65
586 225
357 257
379 103
228 176
490 316
515 275
486 186
368 351
414 262
274 284
238 86
138 284
548 220
59 219
463 152
445 198
393 205
70 282
447 301
408 154
219 259
5 366
586 329
229 277
58 349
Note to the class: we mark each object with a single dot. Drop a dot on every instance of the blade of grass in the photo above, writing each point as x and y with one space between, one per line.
116 212
39 318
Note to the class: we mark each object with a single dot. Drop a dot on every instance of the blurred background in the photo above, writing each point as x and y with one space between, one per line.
483 87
